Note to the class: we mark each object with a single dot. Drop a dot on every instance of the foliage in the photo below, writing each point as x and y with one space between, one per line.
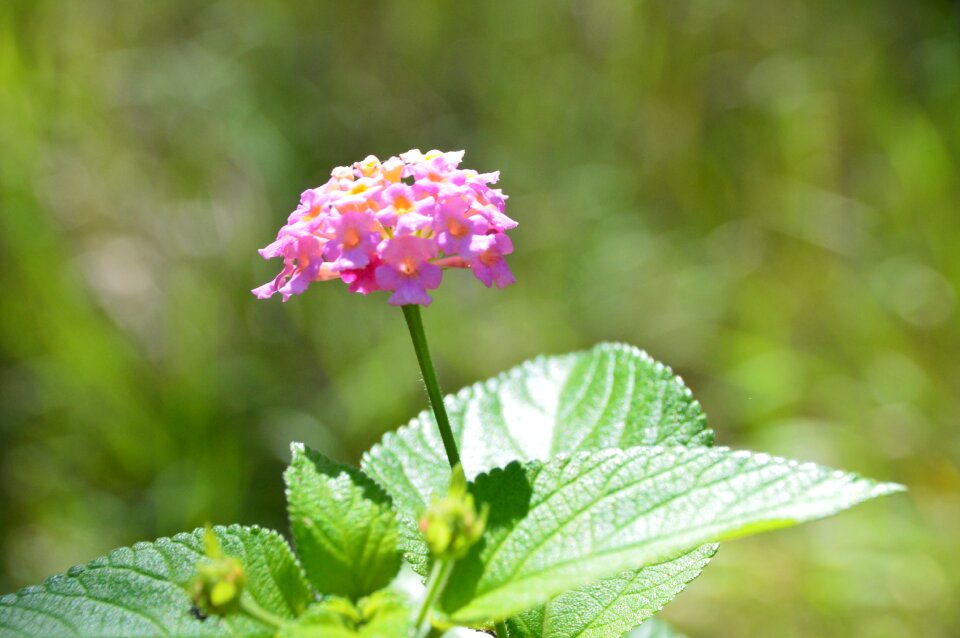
142 590
621 527
329 507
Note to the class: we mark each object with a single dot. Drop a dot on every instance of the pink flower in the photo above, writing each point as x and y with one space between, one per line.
455 228
311 205
400 200
394 225
302 263
488 263
407 271
356 235
364 280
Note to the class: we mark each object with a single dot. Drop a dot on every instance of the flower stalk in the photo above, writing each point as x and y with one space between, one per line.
251 608
411 313
435 584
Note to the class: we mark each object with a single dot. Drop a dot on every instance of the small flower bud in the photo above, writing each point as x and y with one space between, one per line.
219 581
452 525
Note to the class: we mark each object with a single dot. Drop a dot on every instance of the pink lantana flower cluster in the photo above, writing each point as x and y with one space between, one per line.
395 225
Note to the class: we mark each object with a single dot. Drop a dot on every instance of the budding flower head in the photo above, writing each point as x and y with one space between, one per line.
394 226
219 581
452 525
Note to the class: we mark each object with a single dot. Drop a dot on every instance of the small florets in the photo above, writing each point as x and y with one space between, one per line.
394 226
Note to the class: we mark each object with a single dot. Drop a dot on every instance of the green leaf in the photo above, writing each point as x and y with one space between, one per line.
563 524
612 605
654 628
611 396
343 525
140 590
383 615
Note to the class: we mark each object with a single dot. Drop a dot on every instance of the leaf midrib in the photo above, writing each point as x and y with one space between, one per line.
878 490
610 475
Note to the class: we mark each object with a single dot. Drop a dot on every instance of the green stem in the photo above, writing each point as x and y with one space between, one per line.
435 584
251 608
501 628
415 323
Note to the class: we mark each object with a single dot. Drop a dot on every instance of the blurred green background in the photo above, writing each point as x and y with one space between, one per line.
763 195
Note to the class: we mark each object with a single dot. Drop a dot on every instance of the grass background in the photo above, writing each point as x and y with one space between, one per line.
763 195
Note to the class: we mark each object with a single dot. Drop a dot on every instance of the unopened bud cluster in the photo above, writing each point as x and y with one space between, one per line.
452 524
219 581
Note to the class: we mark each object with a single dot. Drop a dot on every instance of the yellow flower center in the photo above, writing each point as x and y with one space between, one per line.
456 227
370 166
351 238
489 258
402 205
408 267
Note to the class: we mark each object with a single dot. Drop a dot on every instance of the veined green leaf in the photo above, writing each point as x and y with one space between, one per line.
139 590
343 525
612 605
611 396
563 524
